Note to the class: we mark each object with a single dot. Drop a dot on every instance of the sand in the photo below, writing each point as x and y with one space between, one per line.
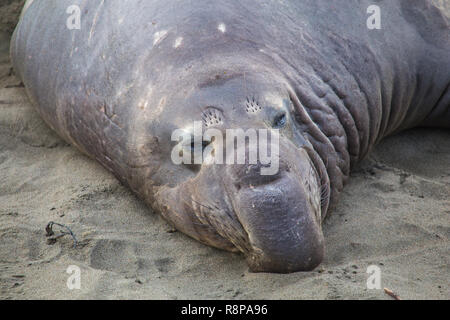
394 213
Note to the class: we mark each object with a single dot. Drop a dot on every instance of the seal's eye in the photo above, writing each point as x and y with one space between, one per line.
204 145
280 120
193 161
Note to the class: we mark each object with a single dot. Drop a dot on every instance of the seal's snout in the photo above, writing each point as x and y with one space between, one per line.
282 224
301 250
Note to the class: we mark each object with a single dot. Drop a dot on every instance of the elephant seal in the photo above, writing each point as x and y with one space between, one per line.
132 72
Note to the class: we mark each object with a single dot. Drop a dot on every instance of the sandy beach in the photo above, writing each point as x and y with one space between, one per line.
394 213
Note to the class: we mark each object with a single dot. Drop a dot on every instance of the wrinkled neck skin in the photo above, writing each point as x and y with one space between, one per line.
348 91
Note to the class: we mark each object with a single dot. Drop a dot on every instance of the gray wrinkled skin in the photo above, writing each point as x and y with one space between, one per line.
137 70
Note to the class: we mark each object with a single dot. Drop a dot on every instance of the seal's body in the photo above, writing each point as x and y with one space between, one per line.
134 71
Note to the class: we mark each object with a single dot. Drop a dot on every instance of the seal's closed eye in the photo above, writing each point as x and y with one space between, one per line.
204 145
280 120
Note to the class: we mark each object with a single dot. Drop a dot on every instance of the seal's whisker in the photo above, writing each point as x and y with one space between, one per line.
205 206
324 194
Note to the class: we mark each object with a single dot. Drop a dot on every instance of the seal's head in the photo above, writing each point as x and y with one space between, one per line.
268 206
